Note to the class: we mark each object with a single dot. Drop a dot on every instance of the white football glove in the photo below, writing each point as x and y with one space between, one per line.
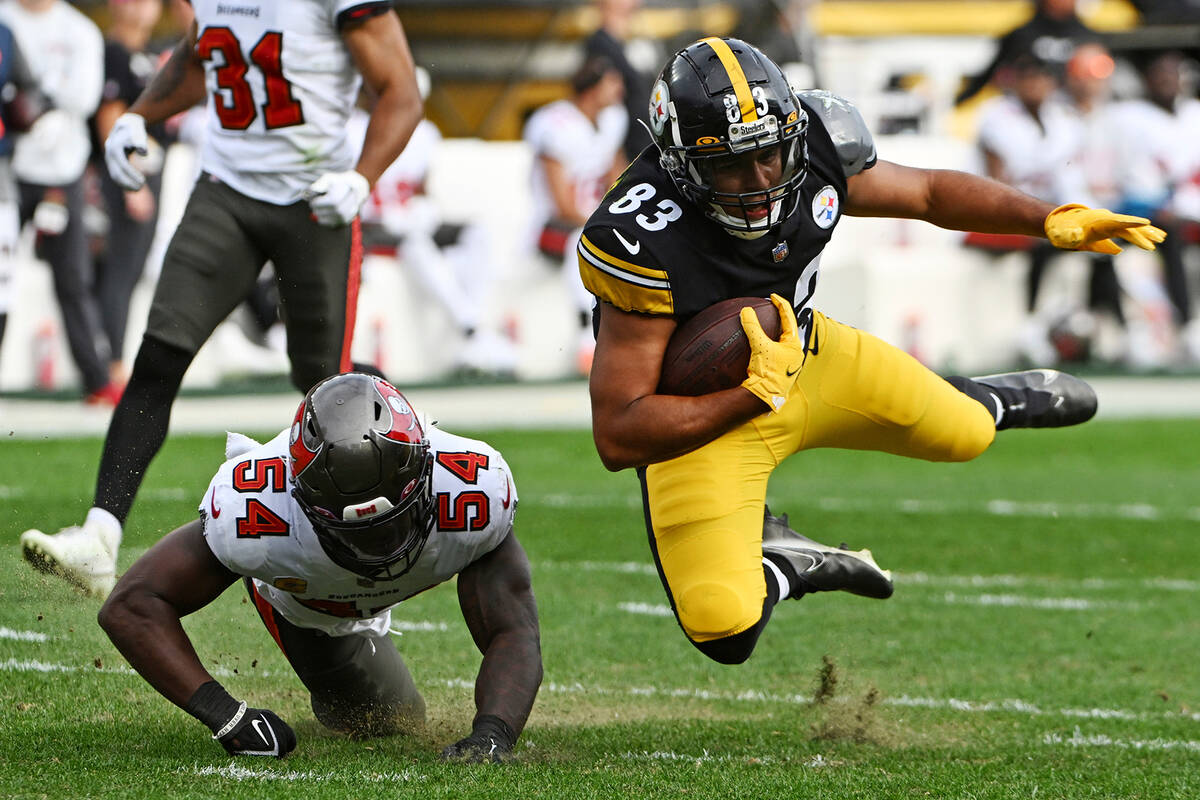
128 135
336 197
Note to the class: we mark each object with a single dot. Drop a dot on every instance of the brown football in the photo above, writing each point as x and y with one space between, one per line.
709 352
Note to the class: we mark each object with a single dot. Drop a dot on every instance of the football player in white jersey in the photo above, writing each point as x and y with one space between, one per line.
279 182
357 507
576 144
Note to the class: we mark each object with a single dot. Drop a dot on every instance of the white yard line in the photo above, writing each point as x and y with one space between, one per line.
649 609
1047 603
1080 739
750 695
996 507
22 636
237 772
908 579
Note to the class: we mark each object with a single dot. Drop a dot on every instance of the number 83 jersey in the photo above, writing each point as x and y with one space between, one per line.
255 528
648 249
281 85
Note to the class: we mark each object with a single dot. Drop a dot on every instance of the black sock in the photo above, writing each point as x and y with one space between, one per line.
139 424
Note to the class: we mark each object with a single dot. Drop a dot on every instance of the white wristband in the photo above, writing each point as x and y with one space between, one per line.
233 722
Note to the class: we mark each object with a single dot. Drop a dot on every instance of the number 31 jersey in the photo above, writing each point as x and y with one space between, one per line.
255 528
281 86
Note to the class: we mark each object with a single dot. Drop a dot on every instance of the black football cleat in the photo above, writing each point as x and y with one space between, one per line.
1042 398
820 568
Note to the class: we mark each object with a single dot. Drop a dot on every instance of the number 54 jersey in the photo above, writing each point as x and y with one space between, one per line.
281 85
255 528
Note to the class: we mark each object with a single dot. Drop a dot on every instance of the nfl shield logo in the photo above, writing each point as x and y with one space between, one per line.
779 252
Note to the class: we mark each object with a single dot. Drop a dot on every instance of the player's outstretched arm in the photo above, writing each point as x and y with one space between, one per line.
177 576
496 596
632 424
964 202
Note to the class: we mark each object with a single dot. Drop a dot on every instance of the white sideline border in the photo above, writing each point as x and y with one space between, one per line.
484 407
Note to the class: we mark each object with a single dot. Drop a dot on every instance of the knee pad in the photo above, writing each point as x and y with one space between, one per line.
712 610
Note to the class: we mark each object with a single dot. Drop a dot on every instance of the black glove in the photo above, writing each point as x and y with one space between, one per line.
259 732
491 740
241 731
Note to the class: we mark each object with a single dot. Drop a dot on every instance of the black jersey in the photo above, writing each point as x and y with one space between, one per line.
648 249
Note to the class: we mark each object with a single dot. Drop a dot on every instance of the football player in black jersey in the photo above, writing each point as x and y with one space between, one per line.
738 196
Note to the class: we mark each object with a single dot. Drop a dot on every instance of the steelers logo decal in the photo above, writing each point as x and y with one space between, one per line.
660 99
825 207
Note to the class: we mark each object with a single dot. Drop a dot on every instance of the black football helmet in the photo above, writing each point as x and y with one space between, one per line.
719 98
362 473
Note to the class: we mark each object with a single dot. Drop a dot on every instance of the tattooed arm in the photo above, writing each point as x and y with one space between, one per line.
176 87
497 602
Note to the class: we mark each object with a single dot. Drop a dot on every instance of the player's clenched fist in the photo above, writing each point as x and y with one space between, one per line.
242 731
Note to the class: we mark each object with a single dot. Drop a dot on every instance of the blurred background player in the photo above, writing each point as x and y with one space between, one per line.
1160 156
259 198
129 64
21 102
612 40
1050 35
454 262
576 144
65 53
1026 138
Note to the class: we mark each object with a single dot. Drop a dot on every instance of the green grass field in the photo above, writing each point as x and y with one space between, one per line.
1043 641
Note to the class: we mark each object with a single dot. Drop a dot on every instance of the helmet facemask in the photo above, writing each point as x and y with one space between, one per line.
362 472
696 170
384 545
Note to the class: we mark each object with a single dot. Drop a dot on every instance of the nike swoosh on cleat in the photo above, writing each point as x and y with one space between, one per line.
634 248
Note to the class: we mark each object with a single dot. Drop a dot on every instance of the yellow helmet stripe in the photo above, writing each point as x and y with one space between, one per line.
741 87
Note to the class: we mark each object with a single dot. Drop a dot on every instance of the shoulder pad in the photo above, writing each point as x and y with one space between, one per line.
621 269
846 127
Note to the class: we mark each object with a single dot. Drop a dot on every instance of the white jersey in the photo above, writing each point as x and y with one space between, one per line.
1160 153
1033 155
65 53
1091 175
281 86
560 131
255 528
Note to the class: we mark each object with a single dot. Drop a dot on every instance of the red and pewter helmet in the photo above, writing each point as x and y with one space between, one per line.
362 473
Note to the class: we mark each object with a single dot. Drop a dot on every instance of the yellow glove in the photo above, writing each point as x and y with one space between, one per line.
1076 227
774 366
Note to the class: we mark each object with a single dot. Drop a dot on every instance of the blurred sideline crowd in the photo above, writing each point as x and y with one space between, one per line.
1058 113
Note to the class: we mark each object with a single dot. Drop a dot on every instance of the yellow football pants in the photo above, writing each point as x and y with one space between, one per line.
706 508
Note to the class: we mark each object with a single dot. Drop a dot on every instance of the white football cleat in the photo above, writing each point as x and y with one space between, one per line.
79 554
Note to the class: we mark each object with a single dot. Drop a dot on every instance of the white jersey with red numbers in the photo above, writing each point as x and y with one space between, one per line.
281 86
255 528
560 131
1033 151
